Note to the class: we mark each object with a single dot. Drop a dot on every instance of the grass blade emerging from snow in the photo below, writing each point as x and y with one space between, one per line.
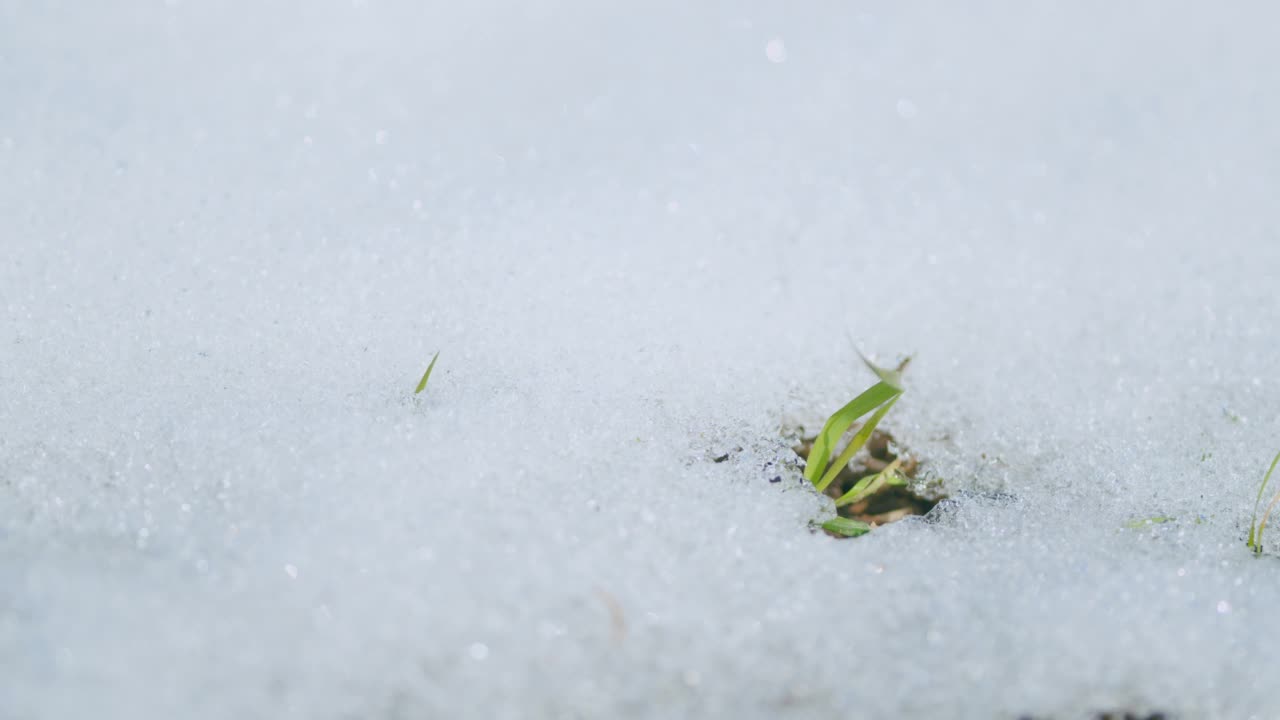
422 384
1139 523
1255 540
859 439
872 398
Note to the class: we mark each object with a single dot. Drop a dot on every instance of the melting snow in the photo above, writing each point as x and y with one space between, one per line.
236 232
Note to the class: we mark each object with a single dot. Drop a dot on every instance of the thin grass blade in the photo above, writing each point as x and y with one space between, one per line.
422 384
855 444
857 488
868 486
870 399
850 497
1257 547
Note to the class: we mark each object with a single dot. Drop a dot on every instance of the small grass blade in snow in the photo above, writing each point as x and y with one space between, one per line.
1140 523
422 384
868 486
839 422
851 484
1254 542
846 527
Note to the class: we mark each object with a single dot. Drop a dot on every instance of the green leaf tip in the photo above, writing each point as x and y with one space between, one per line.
846 527
893 377
422 384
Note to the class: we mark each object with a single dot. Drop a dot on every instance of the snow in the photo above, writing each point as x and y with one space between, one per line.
236 232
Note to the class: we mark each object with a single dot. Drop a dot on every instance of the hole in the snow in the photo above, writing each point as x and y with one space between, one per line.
891 501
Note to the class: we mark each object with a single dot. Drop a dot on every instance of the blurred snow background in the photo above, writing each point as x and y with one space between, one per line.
234 233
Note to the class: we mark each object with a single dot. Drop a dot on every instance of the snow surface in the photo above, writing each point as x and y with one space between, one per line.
235 232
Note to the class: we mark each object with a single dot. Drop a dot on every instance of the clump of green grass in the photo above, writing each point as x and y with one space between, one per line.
1254 542
422 384
875 401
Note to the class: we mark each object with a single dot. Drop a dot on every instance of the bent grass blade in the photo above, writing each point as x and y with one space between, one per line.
422 384
870 399
870 485
859 439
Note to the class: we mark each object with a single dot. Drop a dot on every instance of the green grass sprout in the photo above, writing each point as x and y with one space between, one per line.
1254 542
836 426
877 399
855 444
846 527
871 484
422 384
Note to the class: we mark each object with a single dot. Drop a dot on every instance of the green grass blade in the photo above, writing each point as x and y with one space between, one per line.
1256 541
869 485
859 439
846 527
1255 544
422 384
871 398
849 498
856 490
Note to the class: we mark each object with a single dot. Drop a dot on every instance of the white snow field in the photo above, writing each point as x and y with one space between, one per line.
641 235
